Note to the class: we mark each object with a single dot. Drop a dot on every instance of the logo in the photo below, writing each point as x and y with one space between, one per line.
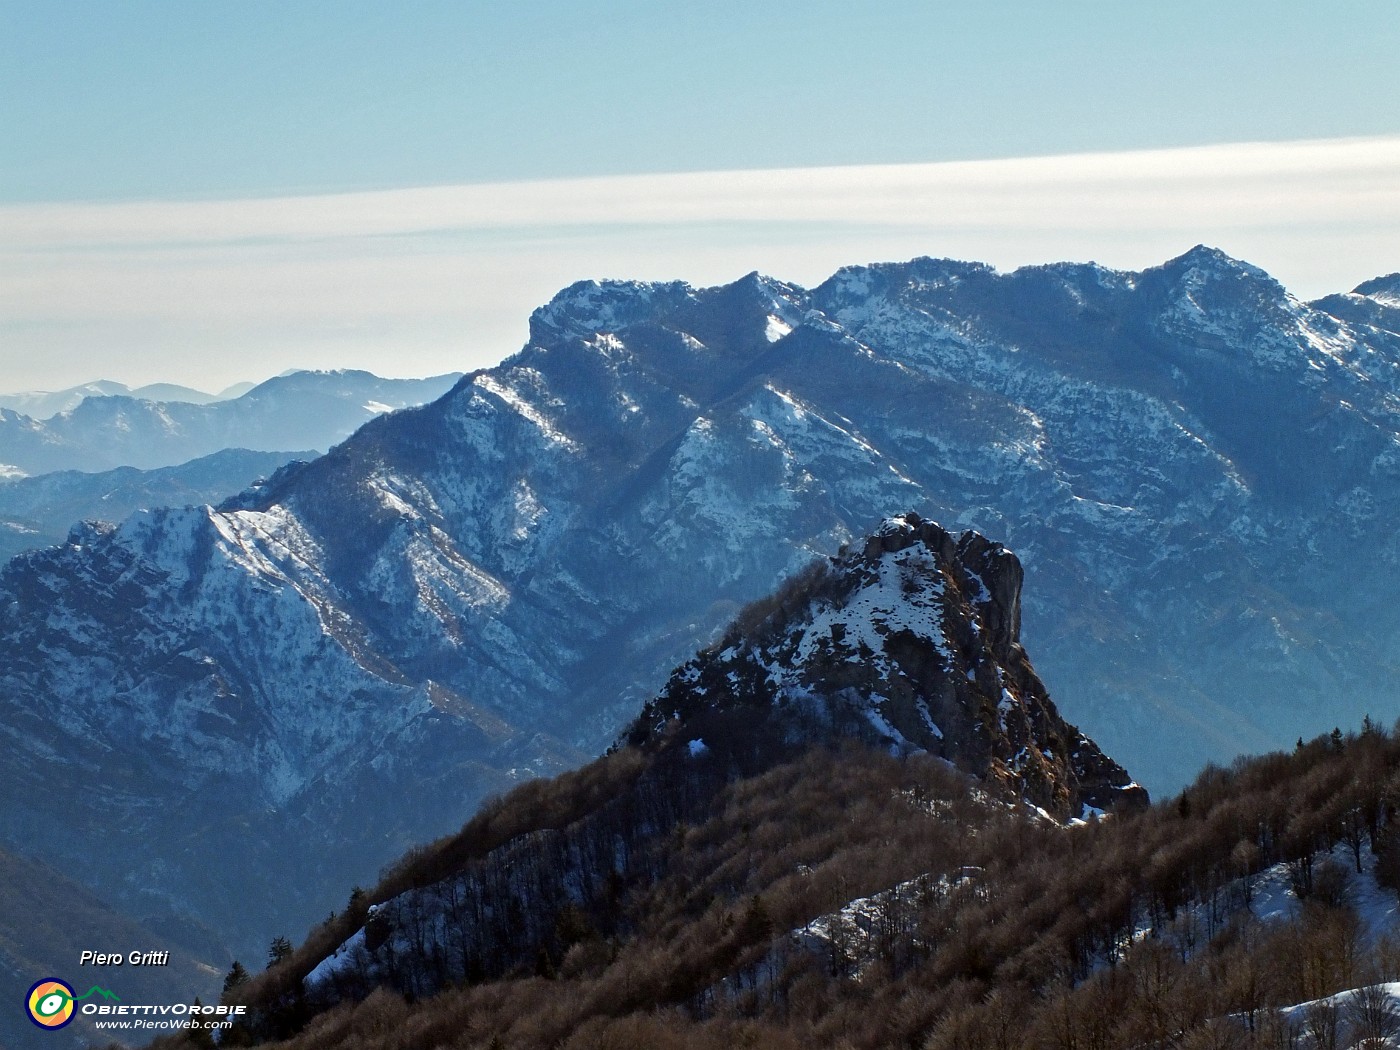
50 1002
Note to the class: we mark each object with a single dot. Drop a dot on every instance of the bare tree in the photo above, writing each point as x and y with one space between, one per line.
1373 1014
1320 1022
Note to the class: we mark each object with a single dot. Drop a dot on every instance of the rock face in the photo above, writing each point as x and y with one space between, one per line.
912 640
1200 472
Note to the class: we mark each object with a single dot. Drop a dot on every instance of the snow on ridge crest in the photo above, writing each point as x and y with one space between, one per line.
587 308
1204 260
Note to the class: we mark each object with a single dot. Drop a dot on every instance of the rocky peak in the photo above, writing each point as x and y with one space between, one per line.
586 308
911 639
985 569
1208 261
1383 289
1206 280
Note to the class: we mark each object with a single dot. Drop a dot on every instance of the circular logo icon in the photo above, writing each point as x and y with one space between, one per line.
50 1003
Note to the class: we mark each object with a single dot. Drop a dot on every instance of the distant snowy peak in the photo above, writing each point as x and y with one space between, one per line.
590 311
1373 306
1219 304
1384 290
1217 265
44 404
913 639
587 308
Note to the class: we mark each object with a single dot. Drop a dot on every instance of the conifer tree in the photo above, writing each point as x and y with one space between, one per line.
236 975
279 949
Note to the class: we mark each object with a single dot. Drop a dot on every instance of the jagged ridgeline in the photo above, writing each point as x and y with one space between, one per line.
842 739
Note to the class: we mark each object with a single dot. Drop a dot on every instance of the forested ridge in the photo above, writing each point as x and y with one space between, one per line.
981 923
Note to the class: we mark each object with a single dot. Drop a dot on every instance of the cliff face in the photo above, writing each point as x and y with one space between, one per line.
912 639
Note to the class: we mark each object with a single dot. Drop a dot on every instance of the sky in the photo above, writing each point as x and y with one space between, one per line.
207 193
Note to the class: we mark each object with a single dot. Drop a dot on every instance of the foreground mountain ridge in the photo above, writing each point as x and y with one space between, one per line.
896 661
842 897
345 659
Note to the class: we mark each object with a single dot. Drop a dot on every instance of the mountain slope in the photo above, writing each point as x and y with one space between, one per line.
47 921
298 410
1198 469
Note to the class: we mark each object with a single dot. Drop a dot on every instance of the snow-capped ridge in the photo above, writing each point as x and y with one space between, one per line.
588 307
927 272
1384 290
1216 263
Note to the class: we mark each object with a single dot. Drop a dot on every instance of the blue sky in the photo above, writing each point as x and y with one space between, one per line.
172 103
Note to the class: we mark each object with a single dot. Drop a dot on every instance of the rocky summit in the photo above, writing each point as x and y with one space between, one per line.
911 639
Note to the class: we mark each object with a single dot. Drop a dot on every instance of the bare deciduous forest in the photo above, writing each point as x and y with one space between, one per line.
661 899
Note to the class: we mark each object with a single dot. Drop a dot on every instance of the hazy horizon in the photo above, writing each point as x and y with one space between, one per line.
194 194
427 280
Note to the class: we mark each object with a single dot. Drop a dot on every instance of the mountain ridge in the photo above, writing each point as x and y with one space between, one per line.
851 898
44 404
571 859
487 587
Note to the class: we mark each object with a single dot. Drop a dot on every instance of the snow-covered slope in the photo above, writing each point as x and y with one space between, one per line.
905 644
1198 471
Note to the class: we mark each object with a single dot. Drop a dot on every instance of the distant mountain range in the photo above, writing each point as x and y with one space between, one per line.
39 511
41 404
1199 471
104 428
